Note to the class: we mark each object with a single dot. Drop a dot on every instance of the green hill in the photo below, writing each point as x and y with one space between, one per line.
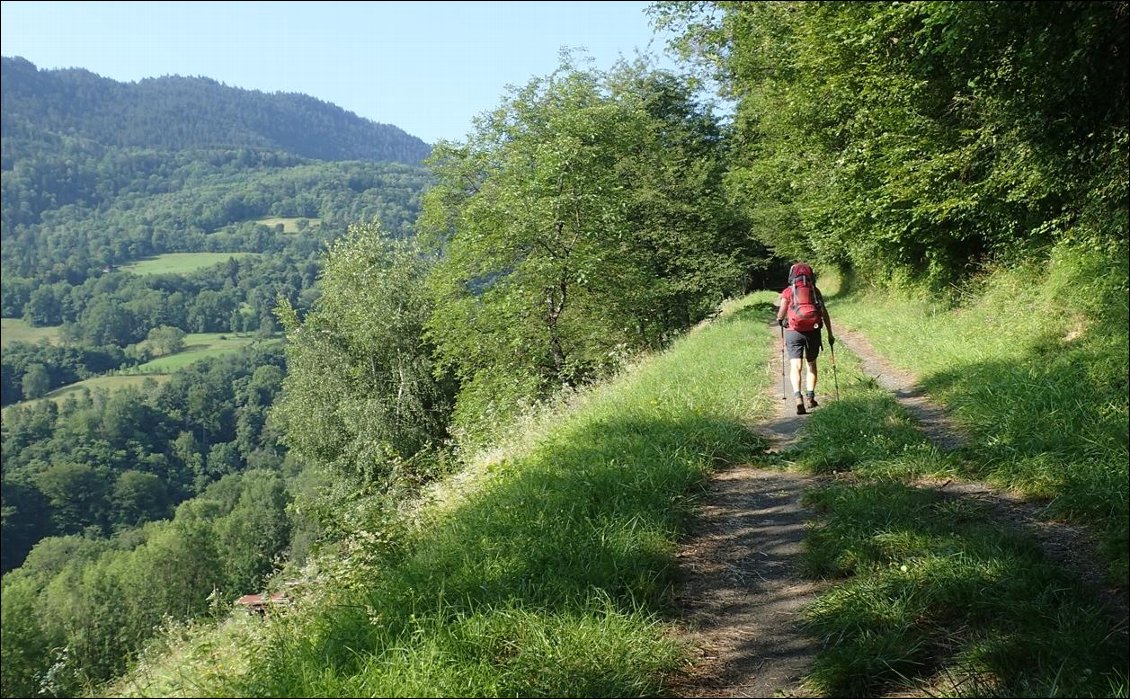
151 113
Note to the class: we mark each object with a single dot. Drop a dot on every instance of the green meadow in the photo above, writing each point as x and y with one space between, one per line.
181 262
17 330
106 383
290 225
196 346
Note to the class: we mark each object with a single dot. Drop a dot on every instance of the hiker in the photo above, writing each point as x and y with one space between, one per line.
802 314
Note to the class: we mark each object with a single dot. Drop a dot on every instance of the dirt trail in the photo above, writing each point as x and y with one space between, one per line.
741 591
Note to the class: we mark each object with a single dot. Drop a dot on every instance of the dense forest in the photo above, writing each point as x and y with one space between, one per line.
593 217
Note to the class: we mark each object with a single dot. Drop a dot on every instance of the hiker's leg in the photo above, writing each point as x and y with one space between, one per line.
797 345
794 374
811 378
812 351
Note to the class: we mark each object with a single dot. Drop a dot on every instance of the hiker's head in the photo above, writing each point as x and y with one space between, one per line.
801 269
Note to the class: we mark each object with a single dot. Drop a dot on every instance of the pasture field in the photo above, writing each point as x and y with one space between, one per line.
181 262
17 330
108 383
290 225
197 346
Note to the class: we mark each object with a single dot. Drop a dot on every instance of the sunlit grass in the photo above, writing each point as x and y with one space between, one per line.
181 262
290 225
1035 367
18 330
939 596
106 383
198 346
550 573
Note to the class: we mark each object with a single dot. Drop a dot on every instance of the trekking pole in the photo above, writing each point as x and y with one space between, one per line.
782 360
835 377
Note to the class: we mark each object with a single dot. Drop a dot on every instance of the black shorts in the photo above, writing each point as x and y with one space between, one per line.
799 344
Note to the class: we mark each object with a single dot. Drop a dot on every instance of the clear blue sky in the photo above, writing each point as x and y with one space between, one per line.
426 67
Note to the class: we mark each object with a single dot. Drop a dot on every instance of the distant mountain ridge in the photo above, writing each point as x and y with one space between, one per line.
151 113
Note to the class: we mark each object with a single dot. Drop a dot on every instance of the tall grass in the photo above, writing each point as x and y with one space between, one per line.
935 595
550 573
938 595
1034 363
941 599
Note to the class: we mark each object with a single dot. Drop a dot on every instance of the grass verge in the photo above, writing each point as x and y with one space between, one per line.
936 595
1035 367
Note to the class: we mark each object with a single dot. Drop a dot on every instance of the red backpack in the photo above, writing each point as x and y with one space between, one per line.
805 311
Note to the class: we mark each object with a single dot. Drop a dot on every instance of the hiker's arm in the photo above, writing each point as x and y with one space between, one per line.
782 310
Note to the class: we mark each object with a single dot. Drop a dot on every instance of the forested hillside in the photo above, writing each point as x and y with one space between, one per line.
175 113
91 183
468 466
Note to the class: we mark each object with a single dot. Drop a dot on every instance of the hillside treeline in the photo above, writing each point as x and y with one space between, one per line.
59 227
91 487
176 113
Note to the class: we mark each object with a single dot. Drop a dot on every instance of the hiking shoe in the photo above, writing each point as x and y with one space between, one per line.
810 402
800 408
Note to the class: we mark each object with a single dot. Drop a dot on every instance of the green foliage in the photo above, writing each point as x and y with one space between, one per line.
23 644
36 381
80 609
360 393
255 531
580 223
166 339
919 141
107 461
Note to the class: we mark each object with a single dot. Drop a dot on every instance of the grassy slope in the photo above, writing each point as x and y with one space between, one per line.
198 346
290 225
18 330
544 569
1035 365
181 262
106 383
